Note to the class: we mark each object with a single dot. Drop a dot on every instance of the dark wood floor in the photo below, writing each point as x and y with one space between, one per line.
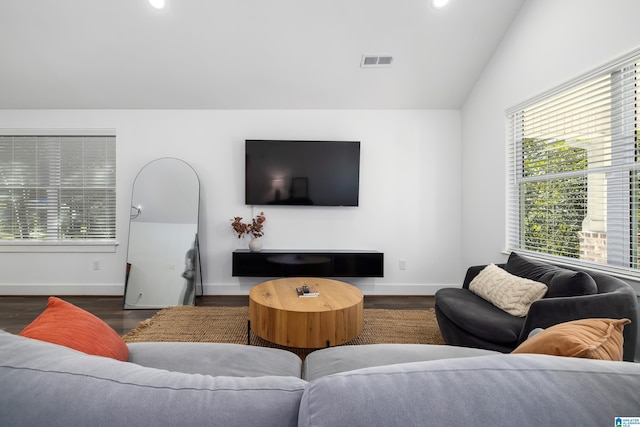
16 312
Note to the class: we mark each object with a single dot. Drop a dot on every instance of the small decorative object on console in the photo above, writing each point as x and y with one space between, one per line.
254 228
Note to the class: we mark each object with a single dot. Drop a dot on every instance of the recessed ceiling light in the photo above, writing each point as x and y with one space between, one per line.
439 3
158 4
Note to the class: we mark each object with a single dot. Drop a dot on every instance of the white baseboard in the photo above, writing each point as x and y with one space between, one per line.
61 289
236 289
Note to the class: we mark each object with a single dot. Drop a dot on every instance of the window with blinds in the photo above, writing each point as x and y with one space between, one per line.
59 188
573 171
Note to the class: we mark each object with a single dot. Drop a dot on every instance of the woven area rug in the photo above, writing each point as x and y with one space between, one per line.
229 325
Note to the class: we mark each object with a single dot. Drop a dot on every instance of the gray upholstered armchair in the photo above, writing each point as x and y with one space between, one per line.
466 319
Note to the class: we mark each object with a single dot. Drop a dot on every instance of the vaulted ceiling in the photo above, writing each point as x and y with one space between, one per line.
245 54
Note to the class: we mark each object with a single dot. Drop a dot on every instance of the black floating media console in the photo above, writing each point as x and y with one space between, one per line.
284 263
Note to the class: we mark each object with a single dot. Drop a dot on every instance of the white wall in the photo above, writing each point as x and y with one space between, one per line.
549 43
409 194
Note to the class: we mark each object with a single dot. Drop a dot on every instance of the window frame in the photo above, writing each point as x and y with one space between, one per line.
71 245
514 241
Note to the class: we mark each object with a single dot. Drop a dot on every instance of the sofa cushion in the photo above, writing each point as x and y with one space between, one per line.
65 324
479 317
344 358
510 293
587 338
562 282
496 390
215 359
45 384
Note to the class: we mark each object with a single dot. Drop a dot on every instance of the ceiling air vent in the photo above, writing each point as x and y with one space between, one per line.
376 61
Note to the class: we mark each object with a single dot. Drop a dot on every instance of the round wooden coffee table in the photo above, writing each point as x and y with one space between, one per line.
279 315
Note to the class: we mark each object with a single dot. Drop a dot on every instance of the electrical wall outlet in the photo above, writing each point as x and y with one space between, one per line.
96 264
402 264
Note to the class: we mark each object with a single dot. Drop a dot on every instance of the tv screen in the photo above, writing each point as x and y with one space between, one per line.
320 173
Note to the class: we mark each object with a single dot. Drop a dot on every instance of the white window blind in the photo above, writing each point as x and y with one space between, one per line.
573 171
57 188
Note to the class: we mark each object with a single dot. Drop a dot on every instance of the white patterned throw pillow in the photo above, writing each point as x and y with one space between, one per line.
510 293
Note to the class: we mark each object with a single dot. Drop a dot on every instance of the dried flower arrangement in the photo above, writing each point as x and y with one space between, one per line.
253 228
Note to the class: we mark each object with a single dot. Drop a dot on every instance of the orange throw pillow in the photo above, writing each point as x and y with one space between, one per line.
586 338
65 324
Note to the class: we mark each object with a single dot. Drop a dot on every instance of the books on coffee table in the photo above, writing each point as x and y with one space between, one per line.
307 292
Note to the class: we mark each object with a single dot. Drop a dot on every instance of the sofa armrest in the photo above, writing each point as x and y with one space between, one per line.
547 312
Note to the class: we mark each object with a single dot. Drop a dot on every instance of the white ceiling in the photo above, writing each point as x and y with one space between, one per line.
245 54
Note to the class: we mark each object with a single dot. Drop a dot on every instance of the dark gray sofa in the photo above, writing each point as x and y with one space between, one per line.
198 384
467 320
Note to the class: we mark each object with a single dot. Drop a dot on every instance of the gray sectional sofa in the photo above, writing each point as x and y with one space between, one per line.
176 384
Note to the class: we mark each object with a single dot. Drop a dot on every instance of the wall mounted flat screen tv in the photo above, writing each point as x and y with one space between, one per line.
319 173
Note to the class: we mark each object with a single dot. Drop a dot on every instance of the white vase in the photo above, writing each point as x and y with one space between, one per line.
255 244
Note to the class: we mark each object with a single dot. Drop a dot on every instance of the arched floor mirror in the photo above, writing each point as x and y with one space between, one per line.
163 261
